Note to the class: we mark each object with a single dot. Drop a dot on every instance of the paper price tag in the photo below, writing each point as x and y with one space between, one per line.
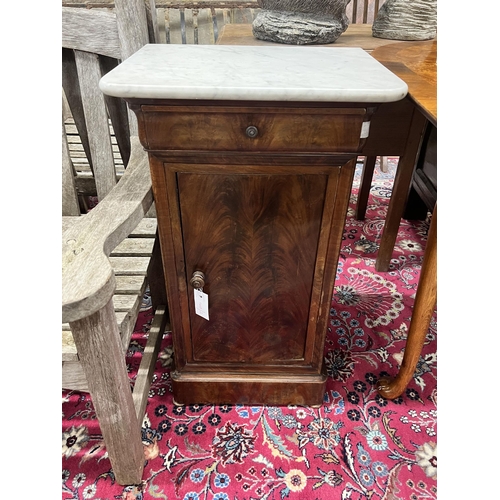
201 304
365 130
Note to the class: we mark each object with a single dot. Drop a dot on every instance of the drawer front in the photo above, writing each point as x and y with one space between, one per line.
253 129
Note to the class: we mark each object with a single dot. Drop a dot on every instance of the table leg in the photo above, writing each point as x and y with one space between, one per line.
400 190
423 309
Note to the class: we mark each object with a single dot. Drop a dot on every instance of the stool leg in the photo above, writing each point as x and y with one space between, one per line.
97 340
423 309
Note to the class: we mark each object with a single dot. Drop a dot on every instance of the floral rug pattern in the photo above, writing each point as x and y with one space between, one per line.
357 445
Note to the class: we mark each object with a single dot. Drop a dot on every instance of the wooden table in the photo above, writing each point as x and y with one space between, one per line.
396 130
415 63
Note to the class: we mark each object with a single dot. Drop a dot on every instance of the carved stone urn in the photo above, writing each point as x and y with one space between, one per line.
406 20
300 22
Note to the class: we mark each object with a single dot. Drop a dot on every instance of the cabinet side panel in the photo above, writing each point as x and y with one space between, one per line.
255 237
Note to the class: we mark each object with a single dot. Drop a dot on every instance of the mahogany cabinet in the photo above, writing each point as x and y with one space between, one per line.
252 153
254 197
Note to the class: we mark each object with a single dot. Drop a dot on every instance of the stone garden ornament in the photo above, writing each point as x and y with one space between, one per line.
406 20
300 22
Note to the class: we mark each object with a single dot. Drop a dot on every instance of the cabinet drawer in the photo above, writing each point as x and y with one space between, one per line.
210 128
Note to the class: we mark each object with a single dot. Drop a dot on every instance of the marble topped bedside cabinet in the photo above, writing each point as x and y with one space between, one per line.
252 153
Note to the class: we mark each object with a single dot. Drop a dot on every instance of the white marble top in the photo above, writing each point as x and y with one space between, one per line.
233 72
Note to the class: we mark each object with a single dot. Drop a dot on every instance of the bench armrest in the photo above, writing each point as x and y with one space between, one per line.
88 281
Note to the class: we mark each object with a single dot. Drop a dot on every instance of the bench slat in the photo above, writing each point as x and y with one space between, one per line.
134 247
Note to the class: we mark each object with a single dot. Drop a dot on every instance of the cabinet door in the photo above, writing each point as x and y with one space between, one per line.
262 240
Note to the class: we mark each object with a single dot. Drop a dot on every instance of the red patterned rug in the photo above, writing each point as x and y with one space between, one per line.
357 445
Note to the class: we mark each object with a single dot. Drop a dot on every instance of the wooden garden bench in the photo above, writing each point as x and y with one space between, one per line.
109 253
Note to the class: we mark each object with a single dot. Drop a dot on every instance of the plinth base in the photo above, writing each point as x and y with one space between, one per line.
257 389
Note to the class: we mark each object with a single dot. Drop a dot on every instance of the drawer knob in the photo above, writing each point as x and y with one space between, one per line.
252 131
197 280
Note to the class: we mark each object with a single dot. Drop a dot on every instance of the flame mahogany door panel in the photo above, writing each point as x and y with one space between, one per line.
246 233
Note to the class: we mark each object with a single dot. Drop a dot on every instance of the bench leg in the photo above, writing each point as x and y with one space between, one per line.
423 309
400 190
97 340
